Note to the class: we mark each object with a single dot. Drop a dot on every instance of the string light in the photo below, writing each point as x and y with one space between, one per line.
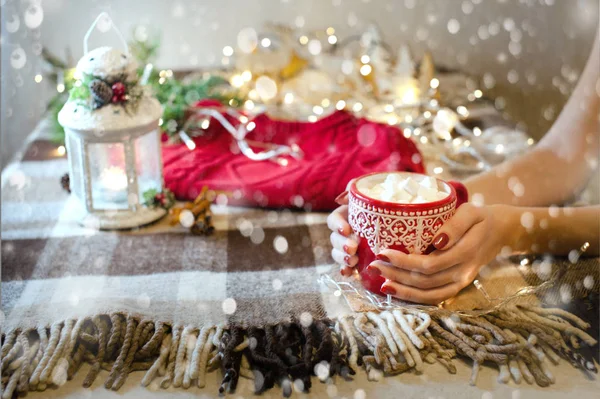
434 83
462 110
476 131
325 103
38 78
340 105
438 170
478 93
227 51
303 40
357 107
265 42
61 150
247 76
365 59
332 39
318 110
60 87
365 69
388 108
237 81
330 31
288 98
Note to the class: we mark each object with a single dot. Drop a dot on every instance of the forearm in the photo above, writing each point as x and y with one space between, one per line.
551 230
558 168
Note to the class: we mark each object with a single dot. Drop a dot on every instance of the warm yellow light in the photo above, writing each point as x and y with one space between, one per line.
476 131
247 76
312 118
341 104
288 98
325 102
462 110
60 87
227 51
250 126
237 81
249 104
38 78
408 119
365 69
330 31
478 93
423 140
265 42
357 107
318 110
169 73
332 39
205 124
160 121
410 95
61 150
388 108
427 114
530 141
365 59
392 120
434 83
303 40
243 119
437 170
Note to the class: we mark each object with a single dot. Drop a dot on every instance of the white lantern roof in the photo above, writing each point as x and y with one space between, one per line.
107 62
109 66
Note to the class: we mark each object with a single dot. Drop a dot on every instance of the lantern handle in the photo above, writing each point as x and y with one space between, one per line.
103 14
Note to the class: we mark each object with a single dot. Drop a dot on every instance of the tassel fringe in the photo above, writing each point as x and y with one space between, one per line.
520 341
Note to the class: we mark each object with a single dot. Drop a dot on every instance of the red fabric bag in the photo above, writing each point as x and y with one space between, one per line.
335 149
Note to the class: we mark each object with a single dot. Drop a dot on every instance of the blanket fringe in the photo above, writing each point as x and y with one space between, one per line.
520 341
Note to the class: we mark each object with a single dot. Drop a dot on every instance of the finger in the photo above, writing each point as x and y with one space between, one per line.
411 294
338 221
343 258
465 217
426 264
346 271
345 244
416 279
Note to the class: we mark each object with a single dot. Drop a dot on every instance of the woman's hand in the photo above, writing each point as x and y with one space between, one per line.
467 242
343 240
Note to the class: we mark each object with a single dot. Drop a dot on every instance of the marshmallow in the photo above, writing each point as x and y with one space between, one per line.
441 195
419 200
429 182
410 190
429 194
410 185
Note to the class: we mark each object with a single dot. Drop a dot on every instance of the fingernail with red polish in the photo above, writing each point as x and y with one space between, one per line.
346 249
347 259
441 241
339 198
373 270
386 289
341 231
383 258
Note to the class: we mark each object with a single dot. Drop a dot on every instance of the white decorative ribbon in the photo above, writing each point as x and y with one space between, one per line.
275 151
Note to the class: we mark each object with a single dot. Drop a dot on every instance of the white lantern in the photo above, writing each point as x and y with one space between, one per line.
111 124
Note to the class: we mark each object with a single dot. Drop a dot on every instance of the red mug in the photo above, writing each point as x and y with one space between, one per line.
409 228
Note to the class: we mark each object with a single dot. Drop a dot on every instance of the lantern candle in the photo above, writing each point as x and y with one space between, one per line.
112 139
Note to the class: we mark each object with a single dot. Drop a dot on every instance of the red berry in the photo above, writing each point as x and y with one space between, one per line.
160 196
116 99
118 89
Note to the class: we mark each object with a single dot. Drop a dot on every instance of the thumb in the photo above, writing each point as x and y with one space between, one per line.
465 217
342 199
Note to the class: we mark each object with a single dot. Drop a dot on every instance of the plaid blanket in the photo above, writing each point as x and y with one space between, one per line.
247 300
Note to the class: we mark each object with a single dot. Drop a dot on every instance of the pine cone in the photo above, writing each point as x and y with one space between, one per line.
101 91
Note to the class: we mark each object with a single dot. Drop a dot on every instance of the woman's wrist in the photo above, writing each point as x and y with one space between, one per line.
508 226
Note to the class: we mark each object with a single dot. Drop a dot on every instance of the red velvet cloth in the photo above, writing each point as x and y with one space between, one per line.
336 149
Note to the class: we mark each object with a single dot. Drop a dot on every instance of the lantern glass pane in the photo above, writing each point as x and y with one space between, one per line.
76 177
108 176
147 152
